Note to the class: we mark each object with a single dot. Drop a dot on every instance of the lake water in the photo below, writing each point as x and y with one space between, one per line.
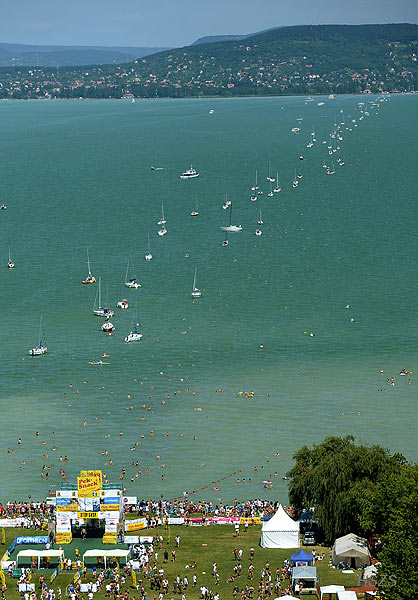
77 174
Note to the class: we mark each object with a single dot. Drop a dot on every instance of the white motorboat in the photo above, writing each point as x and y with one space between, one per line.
98 309
189 174
131 282
196 293
123 304
162 231
107 327
41 348
258 232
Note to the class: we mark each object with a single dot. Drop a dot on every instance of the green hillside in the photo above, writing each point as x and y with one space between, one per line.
291 60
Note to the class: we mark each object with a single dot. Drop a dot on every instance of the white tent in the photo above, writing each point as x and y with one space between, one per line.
58 554
346 595
287 597
331 589
351 549
280 532
105 554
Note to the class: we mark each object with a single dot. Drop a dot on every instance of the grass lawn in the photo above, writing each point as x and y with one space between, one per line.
205 545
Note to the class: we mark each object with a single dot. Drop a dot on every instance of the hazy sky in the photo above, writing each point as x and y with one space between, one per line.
179 22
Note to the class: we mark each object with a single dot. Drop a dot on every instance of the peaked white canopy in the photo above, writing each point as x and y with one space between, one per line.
331 589
280 531
351 549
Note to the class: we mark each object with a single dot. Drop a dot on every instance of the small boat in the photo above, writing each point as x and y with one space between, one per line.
225 241
107 326
3 207
231 227
131 282
211 111
255 186
195 212
10 264
269 177
196 293
260 218
320 103
134 335
162 231
123 304
41 348
162 221
189 174
227 202
98 309
98 362
148 255
258 232
89 278
277 189
270 194
295 181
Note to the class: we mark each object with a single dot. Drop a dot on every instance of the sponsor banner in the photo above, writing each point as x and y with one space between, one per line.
63 538
110 507
219 520
135 524
146 539
111 525
110 493
28 539
12 522
175 520
131 539
130 500
89 504
108 514
67 508
64 501
250 520
63 524
89 483
88 515
111 500
66 494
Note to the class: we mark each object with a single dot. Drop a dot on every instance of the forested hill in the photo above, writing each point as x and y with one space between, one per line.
291 60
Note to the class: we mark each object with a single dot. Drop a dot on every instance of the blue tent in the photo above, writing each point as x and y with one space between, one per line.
301 556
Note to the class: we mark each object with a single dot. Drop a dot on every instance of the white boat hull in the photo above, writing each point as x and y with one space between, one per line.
38 351
133 337
132 284
233 228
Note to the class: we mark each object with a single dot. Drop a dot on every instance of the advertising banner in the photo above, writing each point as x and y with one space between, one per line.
89 484
111 525
63 524
89 504
68 508
134 524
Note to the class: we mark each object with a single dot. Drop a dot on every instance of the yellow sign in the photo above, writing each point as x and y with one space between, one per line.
133 578
63 537
88 483
67 508
133 526
250 520
113 507
88 515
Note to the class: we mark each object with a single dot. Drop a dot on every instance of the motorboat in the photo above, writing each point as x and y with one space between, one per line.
189 174
123 304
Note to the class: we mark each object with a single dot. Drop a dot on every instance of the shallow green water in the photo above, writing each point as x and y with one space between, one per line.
77 174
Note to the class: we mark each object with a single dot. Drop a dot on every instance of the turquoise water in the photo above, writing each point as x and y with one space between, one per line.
77 175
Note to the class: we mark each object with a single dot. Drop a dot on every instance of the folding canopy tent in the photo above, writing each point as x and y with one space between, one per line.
59 554
280 531
287 597
105 554
351 549
305 574
301 556
331 589
347 595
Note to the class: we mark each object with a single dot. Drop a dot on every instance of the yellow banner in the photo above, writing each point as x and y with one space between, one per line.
3 579
3 536
250 520
67 508
88 515
133 526
88 483
133 578
105 507
63 538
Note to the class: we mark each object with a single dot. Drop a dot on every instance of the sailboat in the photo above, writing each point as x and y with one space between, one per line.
195 212
162 222
260 218
89 278
295 181
98 310
131 282
41 349
196 293
10 264
225 241
269 177
270 194
277 189
134 335
148 255
231 227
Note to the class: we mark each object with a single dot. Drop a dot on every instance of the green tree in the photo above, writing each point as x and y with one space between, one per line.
333 477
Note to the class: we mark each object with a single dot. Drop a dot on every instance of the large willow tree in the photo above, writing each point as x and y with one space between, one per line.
335 477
